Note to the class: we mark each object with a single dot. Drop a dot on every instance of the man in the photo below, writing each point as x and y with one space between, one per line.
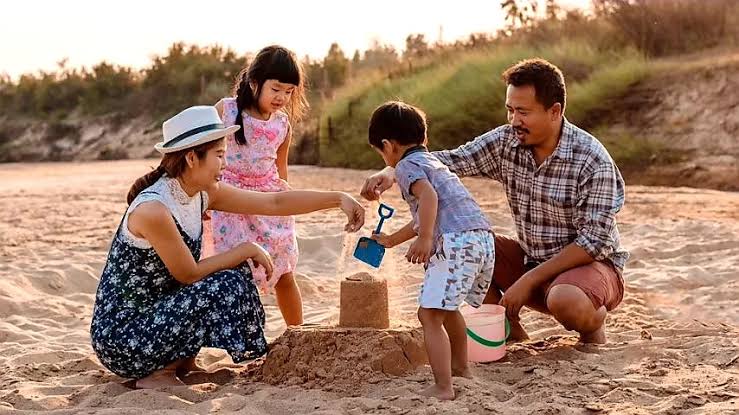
564 191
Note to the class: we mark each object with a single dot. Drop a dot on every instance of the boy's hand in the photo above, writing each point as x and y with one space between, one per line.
384 239
420 250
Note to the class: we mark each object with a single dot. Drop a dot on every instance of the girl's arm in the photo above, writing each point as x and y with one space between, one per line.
228 198
282 154
153 222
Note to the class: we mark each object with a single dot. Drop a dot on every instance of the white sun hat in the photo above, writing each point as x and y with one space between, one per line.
192 127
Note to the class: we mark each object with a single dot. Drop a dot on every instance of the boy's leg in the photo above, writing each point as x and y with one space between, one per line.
456 330
289 300
438 351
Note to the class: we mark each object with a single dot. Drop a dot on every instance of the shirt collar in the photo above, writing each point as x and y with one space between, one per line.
415 149
564 146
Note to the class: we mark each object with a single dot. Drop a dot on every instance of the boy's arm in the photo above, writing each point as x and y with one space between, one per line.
405 233
420 251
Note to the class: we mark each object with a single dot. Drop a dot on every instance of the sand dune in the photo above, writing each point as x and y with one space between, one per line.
674 341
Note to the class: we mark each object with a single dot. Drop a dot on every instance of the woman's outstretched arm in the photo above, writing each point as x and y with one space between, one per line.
228 198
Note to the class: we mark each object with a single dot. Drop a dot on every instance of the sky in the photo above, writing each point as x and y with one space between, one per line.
35 35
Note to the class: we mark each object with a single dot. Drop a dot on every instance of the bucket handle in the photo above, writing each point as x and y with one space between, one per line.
490 343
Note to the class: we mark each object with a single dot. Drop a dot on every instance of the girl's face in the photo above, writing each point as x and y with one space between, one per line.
274 96
207 170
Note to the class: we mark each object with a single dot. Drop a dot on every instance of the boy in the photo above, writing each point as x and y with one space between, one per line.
454 239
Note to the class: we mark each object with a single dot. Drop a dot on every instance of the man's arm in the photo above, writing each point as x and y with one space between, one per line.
479 157
601 196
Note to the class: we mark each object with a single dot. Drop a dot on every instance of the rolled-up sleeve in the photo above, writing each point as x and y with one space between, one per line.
601 197
479 157
407 173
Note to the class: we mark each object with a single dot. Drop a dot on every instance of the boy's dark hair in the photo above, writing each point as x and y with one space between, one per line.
398 121
546 78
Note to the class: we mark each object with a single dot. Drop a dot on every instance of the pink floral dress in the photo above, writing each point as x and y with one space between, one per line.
253 166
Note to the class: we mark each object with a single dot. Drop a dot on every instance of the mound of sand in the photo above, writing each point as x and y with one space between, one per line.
336 356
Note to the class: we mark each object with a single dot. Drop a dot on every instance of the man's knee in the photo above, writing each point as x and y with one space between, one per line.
571 307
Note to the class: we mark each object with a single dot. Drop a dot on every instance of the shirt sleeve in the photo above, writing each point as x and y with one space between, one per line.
407 173
601 197
479 157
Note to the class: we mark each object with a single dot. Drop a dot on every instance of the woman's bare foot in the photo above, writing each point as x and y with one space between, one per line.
463 372
517 334
159 379
596 337
189 365
435 391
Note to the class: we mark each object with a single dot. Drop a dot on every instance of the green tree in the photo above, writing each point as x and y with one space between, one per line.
336 66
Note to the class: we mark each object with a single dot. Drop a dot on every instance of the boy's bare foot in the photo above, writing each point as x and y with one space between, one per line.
435 391
159 379
464 372
517 334
596 337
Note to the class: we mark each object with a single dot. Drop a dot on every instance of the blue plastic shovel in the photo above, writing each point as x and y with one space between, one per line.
368 250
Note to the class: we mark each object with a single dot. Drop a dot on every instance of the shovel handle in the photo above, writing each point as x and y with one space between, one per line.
385 212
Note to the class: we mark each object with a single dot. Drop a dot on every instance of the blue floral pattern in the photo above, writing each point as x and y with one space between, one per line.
144 319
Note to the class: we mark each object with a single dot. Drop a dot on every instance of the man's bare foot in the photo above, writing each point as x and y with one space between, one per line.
159 379
434 391
596 337
464 372
517 334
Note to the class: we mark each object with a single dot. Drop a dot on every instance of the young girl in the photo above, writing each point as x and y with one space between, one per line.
257 160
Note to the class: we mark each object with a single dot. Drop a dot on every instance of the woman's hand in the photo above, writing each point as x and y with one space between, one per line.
376 184
258 256
354 213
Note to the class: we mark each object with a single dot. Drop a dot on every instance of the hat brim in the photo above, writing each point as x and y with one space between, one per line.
197 139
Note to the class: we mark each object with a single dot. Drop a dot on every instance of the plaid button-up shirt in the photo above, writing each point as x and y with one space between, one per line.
573 196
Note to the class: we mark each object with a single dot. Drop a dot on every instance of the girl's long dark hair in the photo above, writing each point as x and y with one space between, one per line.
174 164
272 62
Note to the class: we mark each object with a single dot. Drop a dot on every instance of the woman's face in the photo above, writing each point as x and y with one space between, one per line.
206 171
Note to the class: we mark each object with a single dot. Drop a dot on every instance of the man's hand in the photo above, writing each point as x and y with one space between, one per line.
420 250
376 184
516 297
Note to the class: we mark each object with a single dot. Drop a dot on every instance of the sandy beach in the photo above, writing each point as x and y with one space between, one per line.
673 342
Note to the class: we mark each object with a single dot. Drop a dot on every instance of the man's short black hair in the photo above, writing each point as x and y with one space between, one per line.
545 77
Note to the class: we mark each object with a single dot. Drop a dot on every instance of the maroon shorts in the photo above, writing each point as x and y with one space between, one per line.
599 280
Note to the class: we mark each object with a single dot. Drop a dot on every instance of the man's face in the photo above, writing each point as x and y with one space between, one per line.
533 123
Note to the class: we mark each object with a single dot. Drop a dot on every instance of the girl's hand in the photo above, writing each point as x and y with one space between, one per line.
259 256
420 250
354 213
384 239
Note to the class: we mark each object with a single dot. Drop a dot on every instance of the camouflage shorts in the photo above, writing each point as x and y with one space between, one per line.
461 270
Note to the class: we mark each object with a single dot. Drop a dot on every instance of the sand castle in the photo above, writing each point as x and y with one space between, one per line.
364 302
361 347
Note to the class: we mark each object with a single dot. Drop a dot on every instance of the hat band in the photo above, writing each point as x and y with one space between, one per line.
192 132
